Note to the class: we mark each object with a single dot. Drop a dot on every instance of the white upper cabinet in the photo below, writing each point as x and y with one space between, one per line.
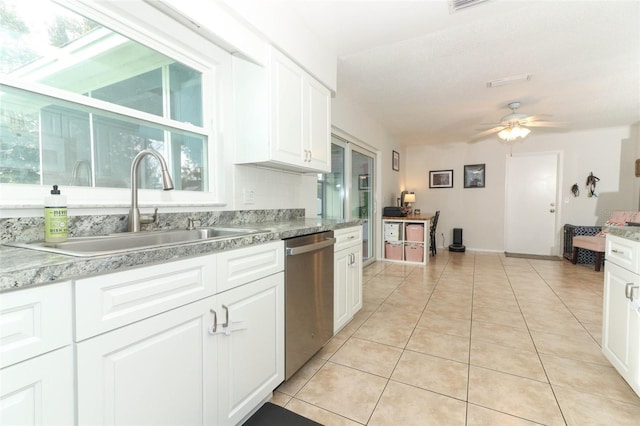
283 116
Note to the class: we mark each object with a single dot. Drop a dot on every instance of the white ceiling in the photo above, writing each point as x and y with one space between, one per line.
421 71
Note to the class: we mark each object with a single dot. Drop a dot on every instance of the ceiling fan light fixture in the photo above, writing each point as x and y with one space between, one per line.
514 132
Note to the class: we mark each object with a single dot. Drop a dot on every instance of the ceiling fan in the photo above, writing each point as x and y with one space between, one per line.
516 125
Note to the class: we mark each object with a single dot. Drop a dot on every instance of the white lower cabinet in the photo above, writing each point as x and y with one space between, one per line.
347 276
157 371
36 357
198 341
251 349
621 308
208 362
38 391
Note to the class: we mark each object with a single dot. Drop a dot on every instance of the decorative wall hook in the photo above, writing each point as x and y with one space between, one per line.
575 190
591 185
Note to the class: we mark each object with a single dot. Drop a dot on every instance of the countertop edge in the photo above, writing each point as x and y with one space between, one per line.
21 267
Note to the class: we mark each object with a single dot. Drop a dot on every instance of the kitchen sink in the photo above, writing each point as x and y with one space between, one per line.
128 241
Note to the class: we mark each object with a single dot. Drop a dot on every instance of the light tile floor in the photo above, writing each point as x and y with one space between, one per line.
469 339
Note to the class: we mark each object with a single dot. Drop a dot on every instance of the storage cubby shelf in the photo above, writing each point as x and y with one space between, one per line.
405 240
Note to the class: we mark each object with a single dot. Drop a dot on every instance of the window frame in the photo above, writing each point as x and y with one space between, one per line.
157 31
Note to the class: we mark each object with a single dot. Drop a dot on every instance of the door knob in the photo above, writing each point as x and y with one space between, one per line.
552 210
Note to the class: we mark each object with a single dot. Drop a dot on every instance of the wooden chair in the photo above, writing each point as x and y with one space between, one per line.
432 233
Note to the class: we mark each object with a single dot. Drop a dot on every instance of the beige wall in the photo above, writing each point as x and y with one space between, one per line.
480 212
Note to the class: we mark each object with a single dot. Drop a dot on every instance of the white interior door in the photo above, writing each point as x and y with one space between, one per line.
531 204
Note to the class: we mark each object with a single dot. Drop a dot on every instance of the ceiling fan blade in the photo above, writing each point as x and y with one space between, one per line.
557 124
532 118
486 133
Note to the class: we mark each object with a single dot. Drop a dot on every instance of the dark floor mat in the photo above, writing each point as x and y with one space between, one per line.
274 415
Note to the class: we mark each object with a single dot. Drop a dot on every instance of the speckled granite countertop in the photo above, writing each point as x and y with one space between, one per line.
21 267
628 232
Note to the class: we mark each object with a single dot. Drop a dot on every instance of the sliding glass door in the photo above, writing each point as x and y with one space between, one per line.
361 201
348 191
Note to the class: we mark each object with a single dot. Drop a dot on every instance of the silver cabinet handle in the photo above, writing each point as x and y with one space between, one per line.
628 291
226 318
214 327
631 291
617 251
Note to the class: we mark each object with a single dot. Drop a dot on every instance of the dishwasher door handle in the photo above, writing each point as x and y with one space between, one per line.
292 251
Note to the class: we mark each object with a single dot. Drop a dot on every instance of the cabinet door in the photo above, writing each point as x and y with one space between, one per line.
341 274
355 281
620 323
158 371
38 391
252 349
318 122
287 133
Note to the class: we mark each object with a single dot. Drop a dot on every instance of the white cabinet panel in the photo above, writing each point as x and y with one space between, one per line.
114 300
286 125
618 318
621 309
318 126
34 321
286 105
347 270
623 252
38 391
237 267
252 350
157 371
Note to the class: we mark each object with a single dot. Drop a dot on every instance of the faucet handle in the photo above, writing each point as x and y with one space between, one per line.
146 219
191 223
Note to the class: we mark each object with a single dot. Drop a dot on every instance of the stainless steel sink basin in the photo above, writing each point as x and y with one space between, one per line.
128 241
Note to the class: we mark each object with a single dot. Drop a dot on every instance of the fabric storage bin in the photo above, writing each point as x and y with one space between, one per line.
415 232
413 252
393 251
392 232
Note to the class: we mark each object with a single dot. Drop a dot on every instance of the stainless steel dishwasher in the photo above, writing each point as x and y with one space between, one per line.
308 297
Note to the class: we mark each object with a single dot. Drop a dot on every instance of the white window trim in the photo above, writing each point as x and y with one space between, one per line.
147 25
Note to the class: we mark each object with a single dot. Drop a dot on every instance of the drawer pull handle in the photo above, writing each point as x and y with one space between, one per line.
617 251
214 327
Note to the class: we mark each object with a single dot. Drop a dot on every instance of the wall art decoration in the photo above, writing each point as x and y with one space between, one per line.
441 179
474 176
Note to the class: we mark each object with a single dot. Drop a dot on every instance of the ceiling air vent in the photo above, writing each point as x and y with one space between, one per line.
458 5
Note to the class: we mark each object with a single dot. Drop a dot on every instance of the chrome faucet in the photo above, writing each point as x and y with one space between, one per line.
135 220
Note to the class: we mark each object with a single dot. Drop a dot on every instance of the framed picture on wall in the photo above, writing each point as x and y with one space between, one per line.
441 179
395 161
474 176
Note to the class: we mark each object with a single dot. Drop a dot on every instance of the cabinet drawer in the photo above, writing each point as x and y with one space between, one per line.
623 252
38 391
110 301
34 321
237 267
347 237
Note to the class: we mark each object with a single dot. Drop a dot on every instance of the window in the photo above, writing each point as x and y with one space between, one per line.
79 101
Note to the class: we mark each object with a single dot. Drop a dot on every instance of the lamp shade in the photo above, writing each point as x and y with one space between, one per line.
410 198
